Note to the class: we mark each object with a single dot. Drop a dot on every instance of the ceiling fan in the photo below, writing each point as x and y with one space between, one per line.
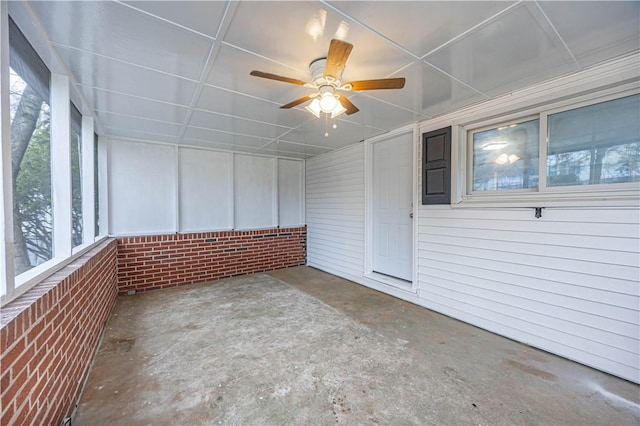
326 76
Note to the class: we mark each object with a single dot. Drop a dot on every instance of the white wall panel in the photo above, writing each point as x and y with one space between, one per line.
142 188
335 211
290 192
255 186
206 190
567 282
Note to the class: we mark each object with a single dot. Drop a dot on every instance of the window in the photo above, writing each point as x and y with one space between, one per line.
596 144
581 146
76 176
30 154
506 157
51 168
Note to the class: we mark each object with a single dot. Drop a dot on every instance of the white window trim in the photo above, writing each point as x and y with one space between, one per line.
7 283
88 190
13 286
609 195
61 165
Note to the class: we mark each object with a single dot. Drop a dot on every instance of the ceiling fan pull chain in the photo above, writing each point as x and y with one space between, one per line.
326 125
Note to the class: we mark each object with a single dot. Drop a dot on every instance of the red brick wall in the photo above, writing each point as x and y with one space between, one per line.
161 261
49 336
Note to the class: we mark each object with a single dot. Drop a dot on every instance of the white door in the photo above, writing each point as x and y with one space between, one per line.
392 221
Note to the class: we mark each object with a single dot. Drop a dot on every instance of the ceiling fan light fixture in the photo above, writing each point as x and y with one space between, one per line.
314 107
339 109
328 102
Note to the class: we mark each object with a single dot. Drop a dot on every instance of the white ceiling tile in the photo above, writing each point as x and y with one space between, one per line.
201 16
346 133
288 148
279 153
428 92
291 41
230 103
101 72
115 30
505 54
235 125
425 25
134 134
216 146
237 77
226 138
378 115
137 107
596 31
123 122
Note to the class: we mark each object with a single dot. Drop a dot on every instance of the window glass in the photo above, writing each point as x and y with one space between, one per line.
30 153
506 157
596 144
76 176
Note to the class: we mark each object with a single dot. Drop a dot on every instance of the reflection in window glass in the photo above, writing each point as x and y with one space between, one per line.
506 157
76 177
30 154
596 144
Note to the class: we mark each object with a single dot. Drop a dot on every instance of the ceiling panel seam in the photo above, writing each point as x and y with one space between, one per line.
457 80
240 118
86 106
555 36
103 111
168 21
132 96
371 30
225 22
240 93
122 61
226 43
472 29
403 49
228 132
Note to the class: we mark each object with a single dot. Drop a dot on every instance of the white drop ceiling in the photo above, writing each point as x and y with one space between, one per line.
178 71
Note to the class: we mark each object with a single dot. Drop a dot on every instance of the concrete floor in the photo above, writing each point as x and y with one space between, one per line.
298 346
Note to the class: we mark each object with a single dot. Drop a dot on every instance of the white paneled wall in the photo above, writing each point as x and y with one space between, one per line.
254 192
335 211
567 282
205 206
142 188
290 192
160 189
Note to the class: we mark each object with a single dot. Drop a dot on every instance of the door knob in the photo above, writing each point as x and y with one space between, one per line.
411 215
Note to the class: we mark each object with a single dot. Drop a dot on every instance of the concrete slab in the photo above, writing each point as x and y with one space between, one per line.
298 346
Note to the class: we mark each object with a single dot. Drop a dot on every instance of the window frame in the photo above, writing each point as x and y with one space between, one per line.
615 194
60 93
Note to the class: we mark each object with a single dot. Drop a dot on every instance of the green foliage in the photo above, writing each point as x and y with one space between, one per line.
32 193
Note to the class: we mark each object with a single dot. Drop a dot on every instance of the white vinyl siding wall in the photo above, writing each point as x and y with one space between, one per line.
566 283
335 211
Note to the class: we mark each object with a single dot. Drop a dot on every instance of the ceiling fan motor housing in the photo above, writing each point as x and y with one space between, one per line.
317 68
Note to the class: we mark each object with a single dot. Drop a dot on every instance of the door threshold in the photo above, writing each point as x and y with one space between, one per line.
389 280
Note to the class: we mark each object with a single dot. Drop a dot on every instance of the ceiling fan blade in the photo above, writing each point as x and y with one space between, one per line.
337 56
277 77
383 83
297 102
346 103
